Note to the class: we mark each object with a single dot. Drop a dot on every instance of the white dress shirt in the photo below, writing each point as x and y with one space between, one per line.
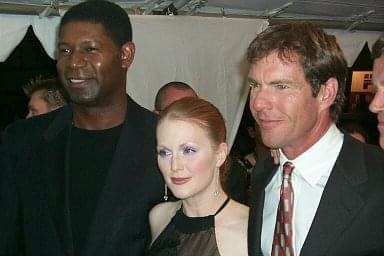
311 173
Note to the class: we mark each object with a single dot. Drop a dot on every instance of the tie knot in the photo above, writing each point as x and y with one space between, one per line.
288 168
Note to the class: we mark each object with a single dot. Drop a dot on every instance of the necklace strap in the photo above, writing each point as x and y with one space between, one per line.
222 206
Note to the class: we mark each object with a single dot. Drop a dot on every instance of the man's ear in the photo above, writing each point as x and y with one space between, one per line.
328 93
127 54
222 153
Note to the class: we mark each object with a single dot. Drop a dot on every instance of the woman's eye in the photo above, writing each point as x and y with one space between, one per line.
189 150
163 153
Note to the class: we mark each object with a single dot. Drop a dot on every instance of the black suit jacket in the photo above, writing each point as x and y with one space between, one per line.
350 217
34 215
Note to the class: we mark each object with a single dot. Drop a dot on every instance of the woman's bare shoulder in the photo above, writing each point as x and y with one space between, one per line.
238 211
231 229
161 215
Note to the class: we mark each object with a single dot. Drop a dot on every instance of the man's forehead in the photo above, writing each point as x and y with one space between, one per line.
173 93
38 93
78 24
275 58
378 72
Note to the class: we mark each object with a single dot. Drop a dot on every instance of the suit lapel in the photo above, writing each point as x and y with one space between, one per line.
340 202
53 170
261 176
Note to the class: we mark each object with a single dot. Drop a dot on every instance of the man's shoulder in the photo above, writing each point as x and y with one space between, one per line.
32 126
353 148
23 136
361 161
140 114
264 164
374 156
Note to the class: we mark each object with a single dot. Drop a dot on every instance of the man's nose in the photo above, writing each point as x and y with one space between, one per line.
377 103
260 99
77 59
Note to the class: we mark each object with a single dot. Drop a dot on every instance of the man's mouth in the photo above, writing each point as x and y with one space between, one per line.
76 81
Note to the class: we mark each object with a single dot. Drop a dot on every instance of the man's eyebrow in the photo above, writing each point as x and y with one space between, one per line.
250 80
281 81
60 43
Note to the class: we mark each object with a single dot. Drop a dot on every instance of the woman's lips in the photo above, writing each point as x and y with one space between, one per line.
180 181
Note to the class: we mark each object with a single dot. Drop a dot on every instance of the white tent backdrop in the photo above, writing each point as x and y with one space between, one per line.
206 52
353 42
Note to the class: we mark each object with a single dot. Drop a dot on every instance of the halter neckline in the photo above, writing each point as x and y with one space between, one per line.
222 206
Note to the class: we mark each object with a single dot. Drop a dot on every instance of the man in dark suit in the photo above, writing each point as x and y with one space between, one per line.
80 180
327 196
377 104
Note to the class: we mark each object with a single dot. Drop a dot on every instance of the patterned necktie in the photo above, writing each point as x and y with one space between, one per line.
282 238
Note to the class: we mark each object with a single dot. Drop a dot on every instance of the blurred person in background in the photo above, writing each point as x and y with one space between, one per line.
171 92
44 96
377 104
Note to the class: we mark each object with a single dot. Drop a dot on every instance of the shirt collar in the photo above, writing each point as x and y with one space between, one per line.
316 163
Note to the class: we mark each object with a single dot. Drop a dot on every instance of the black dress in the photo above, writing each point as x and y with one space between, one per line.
187 236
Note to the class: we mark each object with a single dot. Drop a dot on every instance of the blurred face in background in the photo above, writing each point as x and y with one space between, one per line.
37 105
377 104
174 94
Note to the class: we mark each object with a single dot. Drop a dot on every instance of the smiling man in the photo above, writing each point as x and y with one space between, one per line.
326 197
377 104
81 180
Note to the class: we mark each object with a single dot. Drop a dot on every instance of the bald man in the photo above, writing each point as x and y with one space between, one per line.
171 92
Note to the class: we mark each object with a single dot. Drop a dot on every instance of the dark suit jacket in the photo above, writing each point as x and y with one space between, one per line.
34 212
350 217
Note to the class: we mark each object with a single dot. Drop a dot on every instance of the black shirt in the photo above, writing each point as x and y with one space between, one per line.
91 155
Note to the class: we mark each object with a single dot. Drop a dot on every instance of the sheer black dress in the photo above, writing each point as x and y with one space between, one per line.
187 236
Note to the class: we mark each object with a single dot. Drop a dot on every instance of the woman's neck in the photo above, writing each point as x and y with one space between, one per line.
203 206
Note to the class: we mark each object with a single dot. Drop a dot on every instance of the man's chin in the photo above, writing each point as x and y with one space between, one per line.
271 143
85 102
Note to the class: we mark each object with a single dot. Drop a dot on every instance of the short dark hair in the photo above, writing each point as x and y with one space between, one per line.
318 53
163 90
378 48
52 91
111 16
